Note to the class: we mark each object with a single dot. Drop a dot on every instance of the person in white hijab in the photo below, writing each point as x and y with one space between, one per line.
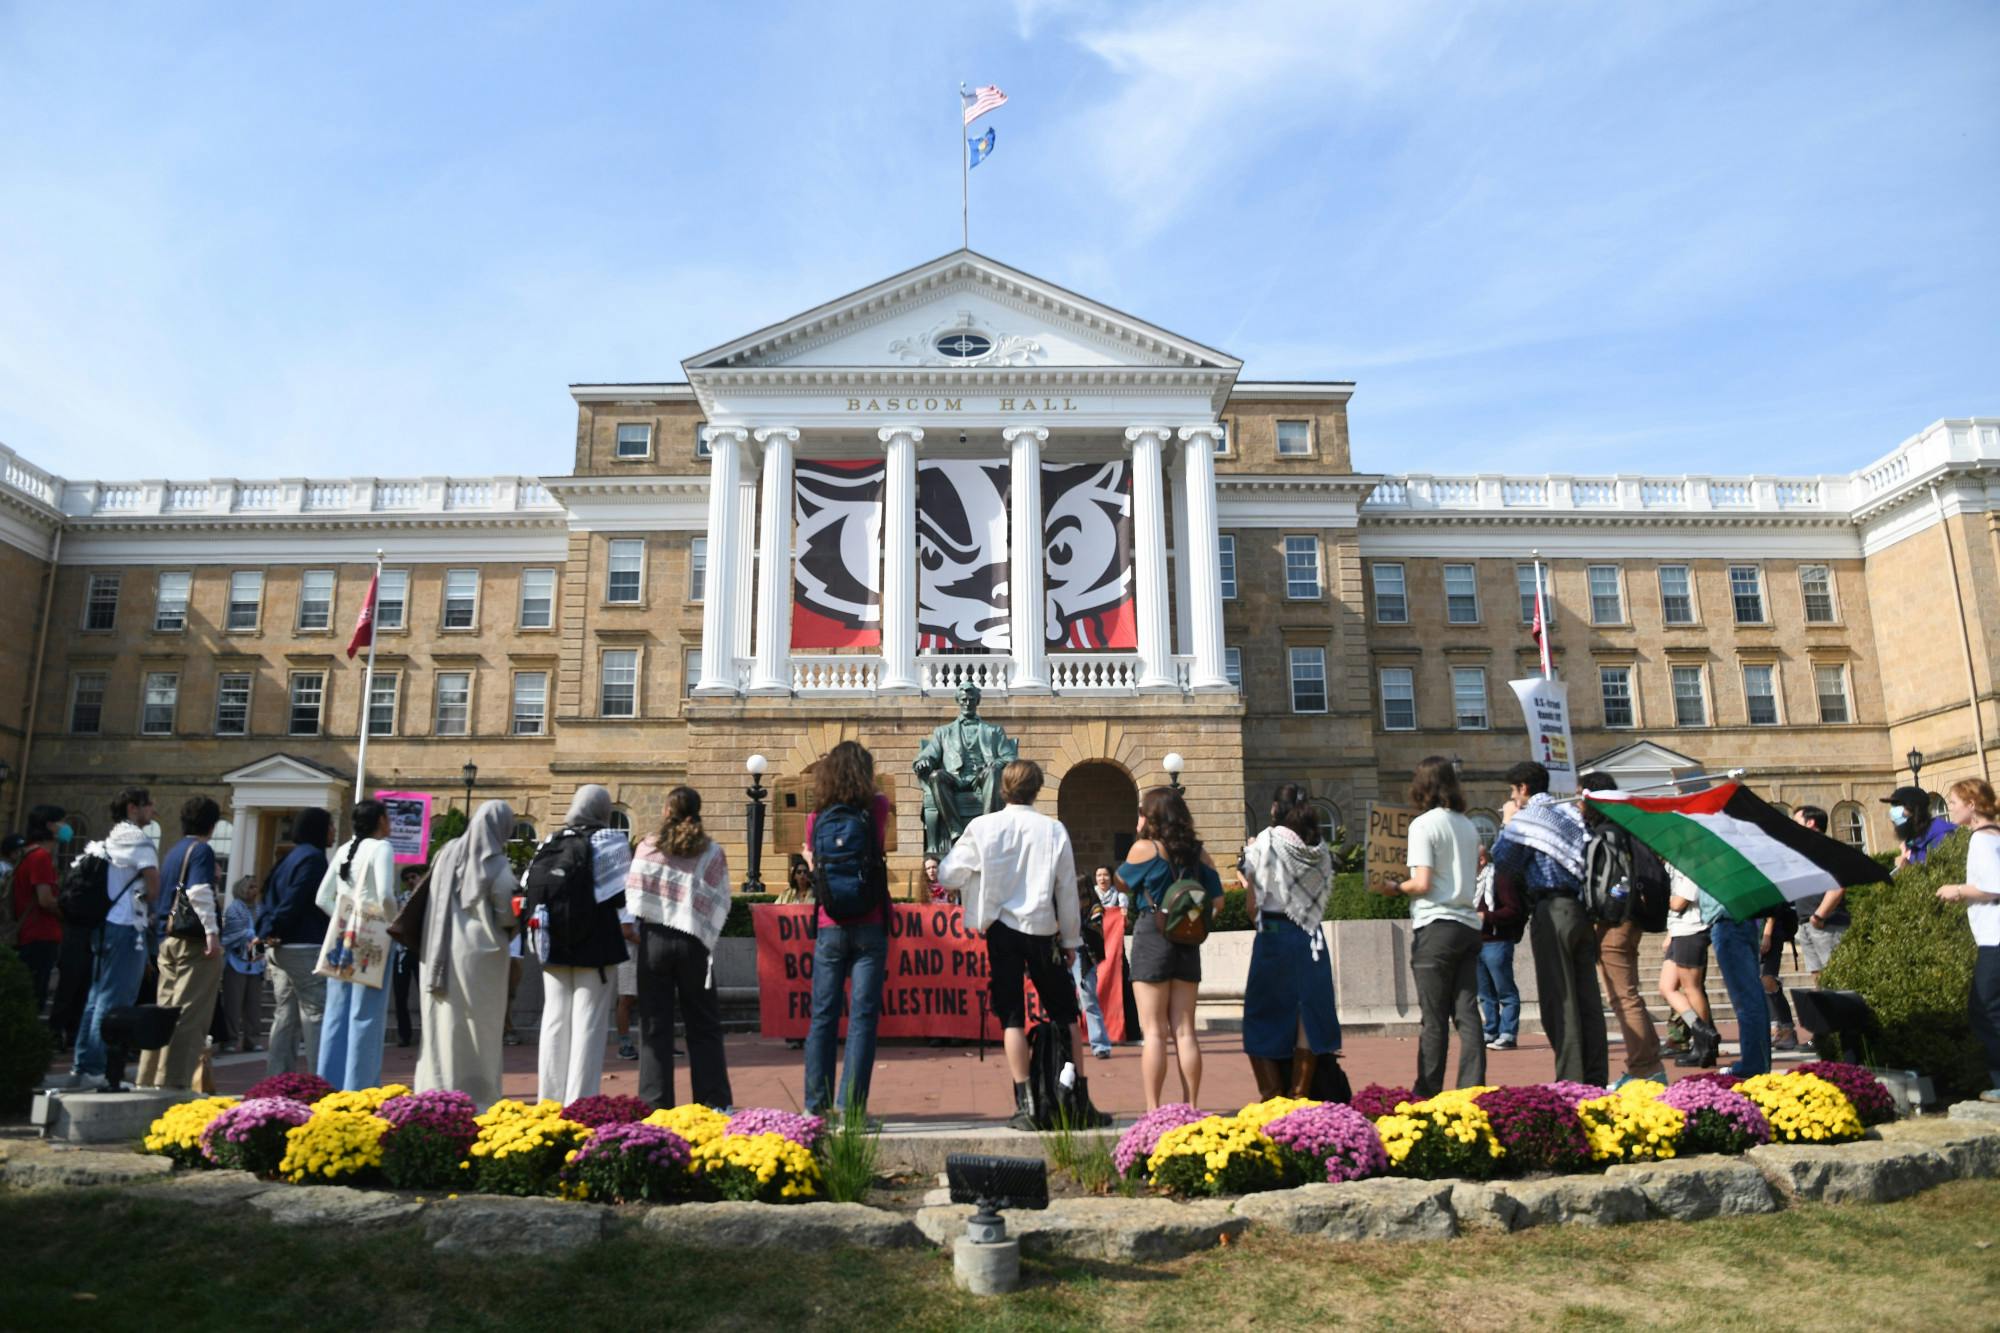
467 925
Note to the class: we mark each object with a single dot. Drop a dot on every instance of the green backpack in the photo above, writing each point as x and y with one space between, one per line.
1183 910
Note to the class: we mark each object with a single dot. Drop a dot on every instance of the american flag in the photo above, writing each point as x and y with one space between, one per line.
979 101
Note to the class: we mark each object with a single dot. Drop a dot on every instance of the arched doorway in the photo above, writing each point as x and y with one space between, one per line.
1098 804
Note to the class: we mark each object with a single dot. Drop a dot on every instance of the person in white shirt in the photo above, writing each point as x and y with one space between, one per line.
1016 874
1972 806
1445 924
118 947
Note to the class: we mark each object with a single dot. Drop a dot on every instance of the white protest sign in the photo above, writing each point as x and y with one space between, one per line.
1545 704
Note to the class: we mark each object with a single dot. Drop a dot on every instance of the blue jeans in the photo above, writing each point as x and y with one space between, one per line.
1093 1012
351 1034
118 962
844 954
1736 945
1499 996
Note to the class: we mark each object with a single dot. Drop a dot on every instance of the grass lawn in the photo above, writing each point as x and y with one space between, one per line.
92 1259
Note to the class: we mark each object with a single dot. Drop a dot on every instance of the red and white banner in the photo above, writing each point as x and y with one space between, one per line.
1087 556
837 570
962 555
364 624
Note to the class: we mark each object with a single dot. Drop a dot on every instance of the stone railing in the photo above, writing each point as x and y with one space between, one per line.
1942 443
356 496
1557 494
1095 673
19 475
947 673
836 674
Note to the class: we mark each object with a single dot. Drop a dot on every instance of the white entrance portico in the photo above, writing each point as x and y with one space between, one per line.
963 358
272 787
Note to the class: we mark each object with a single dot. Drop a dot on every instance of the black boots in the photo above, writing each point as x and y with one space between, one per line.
1703 1044
1024 1113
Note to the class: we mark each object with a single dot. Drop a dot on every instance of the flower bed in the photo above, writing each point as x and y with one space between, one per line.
251 1135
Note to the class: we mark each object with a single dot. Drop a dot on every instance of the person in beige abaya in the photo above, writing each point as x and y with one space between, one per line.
466 929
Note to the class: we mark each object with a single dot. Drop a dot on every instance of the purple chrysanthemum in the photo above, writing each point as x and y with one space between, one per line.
305 1088
1869 1094
1573 1092
607 1108
1719 1077
1136 1144
442 1110
804 1130
1338 1138
250 1136
1376 1101
1538 1126
629 1162
1718 1120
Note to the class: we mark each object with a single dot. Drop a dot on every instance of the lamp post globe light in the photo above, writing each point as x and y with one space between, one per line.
1173 763
471 775
1916 759
753 879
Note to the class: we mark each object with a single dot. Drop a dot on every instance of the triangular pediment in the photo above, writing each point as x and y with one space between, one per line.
278 769
1642 759
966 311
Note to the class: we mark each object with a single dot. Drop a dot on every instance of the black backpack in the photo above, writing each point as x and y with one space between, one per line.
85 896
583 932
1607 867
1784 924
850 874
1049 1102
1651 887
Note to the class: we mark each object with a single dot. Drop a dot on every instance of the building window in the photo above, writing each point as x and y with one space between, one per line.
1295 439
1850 826
170 610
1232 667
538 599
1760 694
452 713
1461 595
1676 595
1690 705
461 598
1308 680
1607 603
1468 697
100 602
628 562
1221 438
690 672
1399 699
635 440
1487 823
1225 553
232 704
308 694
1614 686
701 449
1524 582
697 569
1746 591
383 692
618 687
392 595
1831 685
620 820
1816 583
1392 602
1302 567
316 599
246 599
531 703
86 703
156 714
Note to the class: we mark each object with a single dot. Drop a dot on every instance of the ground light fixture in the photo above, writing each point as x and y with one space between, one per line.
1173 763
753 819
986 1260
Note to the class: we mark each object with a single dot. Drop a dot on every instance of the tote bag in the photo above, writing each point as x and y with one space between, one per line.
357 942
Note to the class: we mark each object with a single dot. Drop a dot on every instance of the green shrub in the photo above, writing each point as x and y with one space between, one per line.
738 927
1911 957
25 1043
1351 901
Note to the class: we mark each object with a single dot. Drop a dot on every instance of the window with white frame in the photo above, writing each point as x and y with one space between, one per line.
1461 594
392 598
1295 439
697 569
1746 593
1308 680
701 449
1232 667
86 703
1830 683
1607 600
690 671
1690 700
307 702
232 703
1850 825
531 703
1225 553
1221 438
170 608
1614 687
1301 567
156 713
618 683
100 602
1524 583
451 713
538 599
246 599
1676 595
624 570
1399 699
635 439
1760 693
383 693
620 820
1392 599
461 598
316 600
1468 697
1816 585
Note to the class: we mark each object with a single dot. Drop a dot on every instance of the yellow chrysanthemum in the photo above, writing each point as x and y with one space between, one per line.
361 1099
1803 1108
177 1133
694 1122
333 1146
1631 1124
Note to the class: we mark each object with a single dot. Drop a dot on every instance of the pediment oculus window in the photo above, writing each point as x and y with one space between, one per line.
964 346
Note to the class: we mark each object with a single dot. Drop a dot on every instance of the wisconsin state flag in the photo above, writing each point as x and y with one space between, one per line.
364 624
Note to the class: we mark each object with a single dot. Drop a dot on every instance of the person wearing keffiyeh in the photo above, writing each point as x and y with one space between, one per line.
1288 1002
1541 850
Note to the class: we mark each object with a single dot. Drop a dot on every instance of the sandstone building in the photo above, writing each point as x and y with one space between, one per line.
658 611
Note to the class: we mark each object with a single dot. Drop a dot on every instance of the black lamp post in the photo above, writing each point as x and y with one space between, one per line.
1173 763
471 775
6 771
753 882
1916 758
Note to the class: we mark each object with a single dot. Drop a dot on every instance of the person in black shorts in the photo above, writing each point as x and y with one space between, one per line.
1166 977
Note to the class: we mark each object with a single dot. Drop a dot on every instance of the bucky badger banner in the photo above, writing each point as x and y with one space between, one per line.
962 568
837 572
1087 554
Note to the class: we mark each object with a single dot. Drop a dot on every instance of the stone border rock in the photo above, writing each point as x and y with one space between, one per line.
1894 1162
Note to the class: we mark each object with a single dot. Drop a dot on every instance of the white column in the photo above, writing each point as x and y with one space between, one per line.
741 615
244 851
770 672
899 560
1200 553
1025 600
1149 556
724 591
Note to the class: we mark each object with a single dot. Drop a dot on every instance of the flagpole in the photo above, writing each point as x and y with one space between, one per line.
367 690
1733 775
1542 614
964 177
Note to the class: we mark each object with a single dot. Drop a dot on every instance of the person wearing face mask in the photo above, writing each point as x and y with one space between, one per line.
1916 827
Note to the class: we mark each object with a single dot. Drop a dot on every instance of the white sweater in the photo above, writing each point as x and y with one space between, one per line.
1016 866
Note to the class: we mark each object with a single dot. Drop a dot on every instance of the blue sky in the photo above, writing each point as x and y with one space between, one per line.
383 238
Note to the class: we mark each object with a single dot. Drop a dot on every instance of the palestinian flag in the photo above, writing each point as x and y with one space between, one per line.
1734 844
